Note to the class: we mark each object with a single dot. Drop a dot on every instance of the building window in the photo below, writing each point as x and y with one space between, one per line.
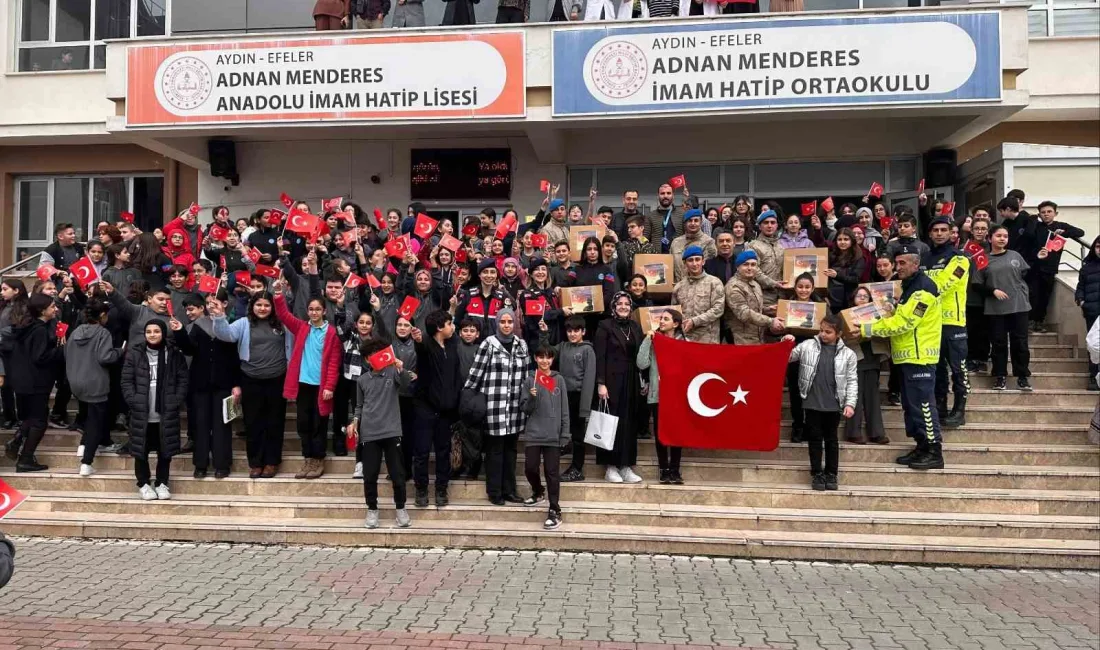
43 202
70 34
1064 18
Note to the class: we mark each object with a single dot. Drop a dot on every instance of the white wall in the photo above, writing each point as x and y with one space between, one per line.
1062 72
313 170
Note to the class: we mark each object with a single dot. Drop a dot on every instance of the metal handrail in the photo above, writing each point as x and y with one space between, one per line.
1078 257
23 262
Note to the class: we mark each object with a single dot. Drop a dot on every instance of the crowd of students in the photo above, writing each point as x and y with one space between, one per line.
194 316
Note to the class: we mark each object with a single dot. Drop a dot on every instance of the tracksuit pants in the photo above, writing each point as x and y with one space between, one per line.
918 402
952 358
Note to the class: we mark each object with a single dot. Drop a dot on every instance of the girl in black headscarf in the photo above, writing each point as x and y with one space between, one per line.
619 383
154 381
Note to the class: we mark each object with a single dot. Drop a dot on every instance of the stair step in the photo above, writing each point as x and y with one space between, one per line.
1048 380
956 453
972 551
625 514
893 495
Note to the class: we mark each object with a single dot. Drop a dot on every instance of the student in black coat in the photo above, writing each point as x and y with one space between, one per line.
154 381
1041 275
435 405
1087 297
215 375
619 382
33 358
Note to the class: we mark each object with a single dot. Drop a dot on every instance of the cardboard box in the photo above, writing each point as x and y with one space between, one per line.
577 235
856 316
814 261
647 316
883 292
658 272
583 300
801 317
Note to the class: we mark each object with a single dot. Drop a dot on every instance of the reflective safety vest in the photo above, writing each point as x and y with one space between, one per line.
914 327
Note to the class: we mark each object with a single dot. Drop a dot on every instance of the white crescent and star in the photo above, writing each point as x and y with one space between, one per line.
83 272
696 402
5 501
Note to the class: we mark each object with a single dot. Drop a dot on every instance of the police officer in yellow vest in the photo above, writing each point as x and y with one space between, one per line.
949 268
913 327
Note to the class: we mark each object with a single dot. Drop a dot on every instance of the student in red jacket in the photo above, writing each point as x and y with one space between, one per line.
311 377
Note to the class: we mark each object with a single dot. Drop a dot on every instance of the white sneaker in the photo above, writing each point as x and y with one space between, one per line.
86 470
403 520
162 493
613 475
147 493
629 476
358 473
372 519
80 451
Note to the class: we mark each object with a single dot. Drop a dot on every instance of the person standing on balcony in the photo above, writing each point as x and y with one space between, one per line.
513 11
369 14
331 15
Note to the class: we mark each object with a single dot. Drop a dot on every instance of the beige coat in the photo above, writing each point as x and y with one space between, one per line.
744 311
681 244
702 301
770 256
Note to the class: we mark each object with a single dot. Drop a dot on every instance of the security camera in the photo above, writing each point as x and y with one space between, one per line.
376 179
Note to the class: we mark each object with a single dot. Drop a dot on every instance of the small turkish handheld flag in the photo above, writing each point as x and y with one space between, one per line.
242 277
253 254
677 181
372 281
425 226
267 271
46 271
1055 243
10 498
920 187
379 219
876 190
544 186
545 380
809 209
532 307
353 281
217 233
461 256
396 248
721 396
948 209
977 254
470 230
331 204
62 328
408 308
128 217
303 223
981 260
286 200
169 307
450 243
540 240
84 272
193 209
827 205
886 223
275 218
208 284
382 358
506 225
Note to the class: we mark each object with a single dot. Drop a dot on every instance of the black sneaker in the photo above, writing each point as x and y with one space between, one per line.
894 399
497 501
818 483
674 477
11 448
796 433
1024 384
221 474
9 425
199 473
572 475
1000 383
75 426
1093 386
553 520
534 499
664 477
59 421
421 497
124 449
441 497
830 482
513 498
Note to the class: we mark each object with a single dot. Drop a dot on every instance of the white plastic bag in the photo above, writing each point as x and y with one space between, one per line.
601 428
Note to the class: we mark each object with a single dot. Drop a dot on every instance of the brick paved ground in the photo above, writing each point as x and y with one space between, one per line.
156 596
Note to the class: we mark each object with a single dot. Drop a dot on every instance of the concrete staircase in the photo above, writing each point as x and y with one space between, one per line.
1022 489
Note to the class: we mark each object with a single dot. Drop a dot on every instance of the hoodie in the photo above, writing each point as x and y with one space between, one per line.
547 413
32 358
577 364
87 354
466 354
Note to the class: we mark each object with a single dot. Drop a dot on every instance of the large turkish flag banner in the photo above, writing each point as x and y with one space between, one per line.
9 499
721 396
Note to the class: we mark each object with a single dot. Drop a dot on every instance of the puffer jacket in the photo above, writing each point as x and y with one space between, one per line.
1087 293
171 381
807 353
702 300
801 240
770 258
681 244
744 307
